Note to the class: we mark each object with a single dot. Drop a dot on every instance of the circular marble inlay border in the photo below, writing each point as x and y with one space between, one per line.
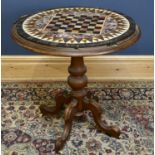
76 27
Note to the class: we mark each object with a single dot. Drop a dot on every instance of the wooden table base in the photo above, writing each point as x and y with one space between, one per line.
78 102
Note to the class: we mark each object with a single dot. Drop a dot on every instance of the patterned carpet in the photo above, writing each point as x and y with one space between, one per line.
127 104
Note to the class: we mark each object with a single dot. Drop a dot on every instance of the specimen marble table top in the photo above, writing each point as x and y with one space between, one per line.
77 28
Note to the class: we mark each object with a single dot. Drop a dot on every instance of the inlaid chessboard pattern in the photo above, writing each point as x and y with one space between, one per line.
76 27
76 24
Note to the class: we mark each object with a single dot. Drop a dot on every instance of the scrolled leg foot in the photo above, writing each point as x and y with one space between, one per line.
96 110
113 131
60 100
69 114
59 144
49 110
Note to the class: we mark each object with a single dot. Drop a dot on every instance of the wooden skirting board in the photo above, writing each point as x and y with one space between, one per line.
46 68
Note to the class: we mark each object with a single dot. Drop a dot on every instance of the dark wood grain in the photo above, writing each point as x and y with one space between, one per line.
69 114
96 110
77 80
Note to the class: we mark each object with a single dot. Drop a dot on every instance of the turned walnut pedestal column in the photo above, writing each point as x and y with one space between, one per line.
76 33
78 103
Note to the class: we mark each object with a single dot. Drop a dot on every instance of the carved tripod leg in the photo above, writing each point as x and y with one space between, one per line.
96 110
69 114
60 101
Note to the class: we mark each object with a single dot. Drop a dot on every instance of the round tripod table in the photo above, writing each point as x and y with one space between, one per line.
76 32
